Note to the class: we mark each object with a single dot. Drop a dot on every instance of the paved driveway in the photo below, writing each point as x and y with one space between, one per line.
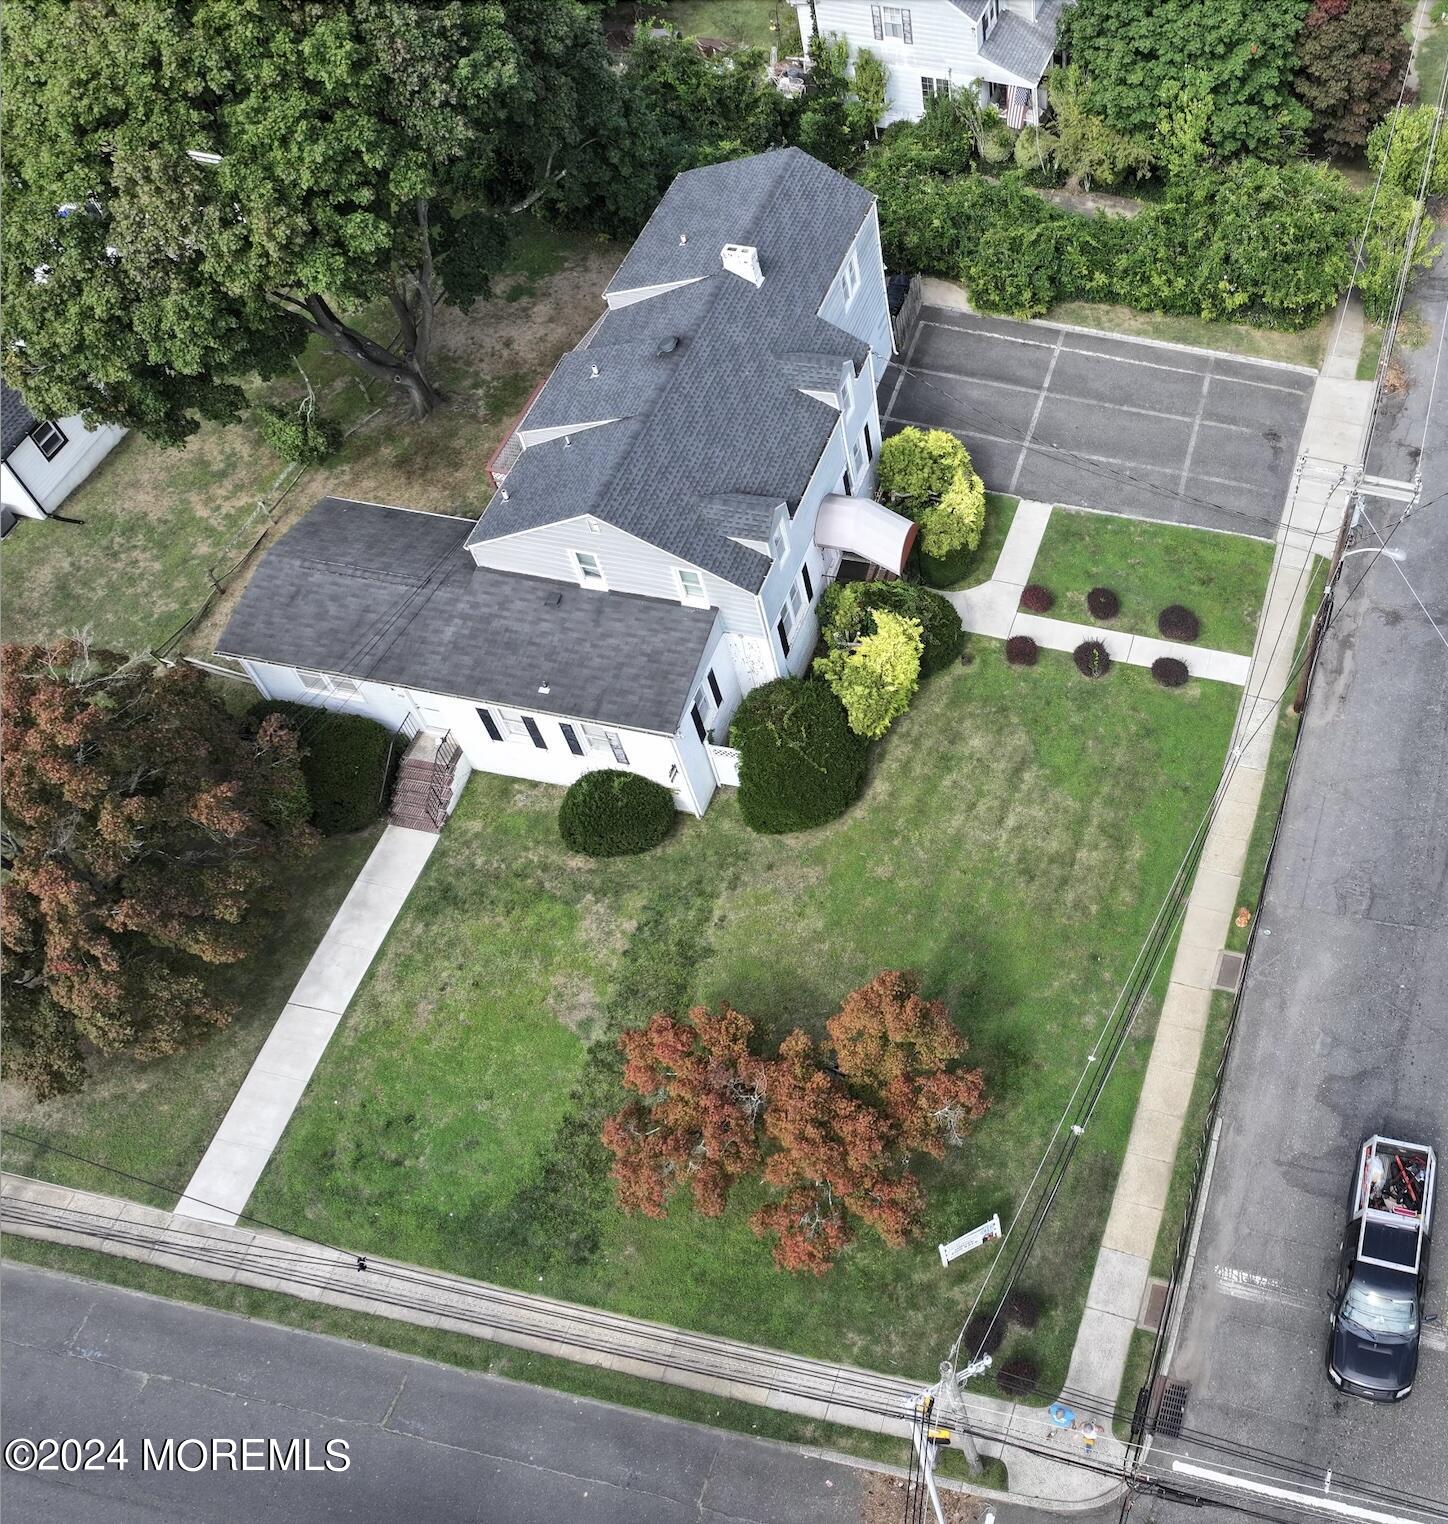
1143 429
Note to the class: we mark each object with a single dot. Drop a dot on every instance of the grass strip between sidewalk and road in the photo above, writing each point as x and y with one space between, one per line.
480 1355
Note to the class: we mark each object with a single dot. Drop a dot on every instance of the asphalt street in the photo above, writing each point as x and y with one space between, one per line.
1344 1020
425 1442
1143 429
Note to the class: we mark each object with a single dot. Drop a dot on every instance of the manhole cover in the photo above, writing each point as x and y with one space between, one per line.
1172 1410
1153 1304
1229 972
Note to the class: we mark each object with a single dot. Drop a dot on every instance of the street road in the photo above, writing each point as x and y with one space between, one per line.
1344 1021
426 1442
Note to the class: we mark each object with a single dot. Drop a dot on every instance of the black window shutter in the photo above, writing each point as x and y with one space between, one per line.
808 585
531 727
698 720
877 23
783 636
714 687
869 444
490 725
571 737
906 34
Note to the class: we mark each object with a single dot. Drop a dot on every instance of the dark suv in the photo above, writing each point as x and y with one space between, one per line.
1377 1312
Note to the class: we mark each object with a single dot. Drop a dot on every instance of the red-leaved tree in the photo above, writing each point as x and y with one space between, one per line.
145 825
830 1131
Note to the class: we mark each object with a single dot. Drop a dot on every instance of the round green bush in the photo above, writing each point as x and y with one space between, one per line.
611 813
347 760
300 435
845 603
800 764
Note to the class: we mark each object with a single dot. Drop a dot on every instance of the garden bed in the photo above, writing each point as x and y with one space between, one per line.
1222 578
1016 832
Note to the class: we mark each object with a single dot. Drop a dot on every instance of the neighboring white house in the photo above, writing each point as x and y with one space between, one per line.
42 463
1001 47
667 513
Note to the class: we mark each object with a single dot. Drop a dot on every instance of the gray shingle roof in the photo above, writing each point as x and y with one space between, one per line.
366 591
1022 47
16 420
721 414
975 9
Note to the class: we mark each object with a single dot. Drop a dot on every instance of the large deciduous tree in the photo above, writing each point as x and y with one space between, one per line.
1136 53
827 1129
194 188
1351 58
146 827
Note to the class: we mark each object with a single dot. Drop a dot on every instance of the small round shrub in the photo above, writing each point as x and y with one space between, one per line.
347 760
800 764
1103 603
1036 599
1023 1308
1091 659
1018 1377
1178 623
843 607
1022 651
298 434
613 813
1169 672
982 1335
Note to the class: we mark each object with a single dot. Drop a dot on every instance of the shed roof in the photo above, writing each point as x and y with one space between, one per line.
387 595
16 420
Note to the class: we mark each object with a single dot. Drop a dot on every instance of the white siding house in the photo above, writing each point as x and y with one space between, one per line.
1001 48
655 547
43 462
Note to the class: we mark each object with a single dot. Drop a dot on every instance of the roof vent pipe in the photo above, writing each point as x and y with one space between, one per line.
743 260
668 344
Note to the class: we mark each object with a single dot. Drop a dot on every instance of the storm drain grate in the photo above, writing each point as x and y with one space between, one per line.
1229 972
1172 1410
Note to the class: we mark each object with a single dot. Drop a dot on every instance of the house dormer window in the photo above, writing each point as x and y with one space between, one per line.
588 568
779 543
850 277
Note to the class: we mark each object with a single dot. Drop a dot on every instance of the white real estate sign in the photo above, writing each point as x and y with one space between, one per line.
972 1240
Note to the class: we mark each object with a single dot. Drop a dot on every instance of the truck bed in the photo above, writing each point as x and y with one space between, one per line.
1393 1201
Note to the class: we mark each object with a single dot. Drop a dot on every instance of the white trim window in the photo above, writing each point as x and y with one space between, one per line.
779 541
322 682
48 438
521 727
930 88
606 740
850 277
588 569
691 586
891 23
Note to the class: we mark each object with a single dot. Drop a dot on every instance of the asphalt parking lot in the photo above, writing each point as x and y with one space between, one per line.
1149 430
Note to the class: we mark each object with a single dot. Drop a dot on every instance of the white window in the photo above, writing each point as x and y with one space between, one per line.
780 543
857 453
796 606
930 88
850 277
606 740
589 568
320 682
691 585
894 23
49 439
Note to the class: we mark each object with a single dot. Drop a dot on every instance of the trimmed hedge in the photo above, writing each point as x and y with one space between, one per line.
1169 671
1022 651
1177 622
800 764
946 571
1036 599
944 635
1091 659
347 760
613 813
1103 603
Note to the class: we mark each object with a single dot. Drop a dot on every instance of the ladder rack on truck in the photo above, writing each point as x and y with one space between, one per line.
1393 1201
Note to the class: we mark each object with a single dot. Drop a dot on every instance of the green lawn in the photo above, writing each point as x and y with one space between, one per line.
160 524
155 1120
746 22
1017 829
1222 578
1304 347
973 568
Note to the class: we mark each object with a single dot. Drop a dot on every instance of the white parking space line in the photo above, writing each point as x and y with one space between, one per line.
1197 427
1099 354
1042 393
1312 1502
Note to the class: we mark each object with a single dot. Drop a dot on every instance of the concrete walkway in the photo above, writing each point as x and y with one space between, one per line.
1314 511
839 1394
993 609
251 1129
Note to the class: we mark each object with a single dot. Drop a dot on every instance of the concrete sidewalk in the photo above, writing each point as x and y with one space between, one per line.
249 1132
1023 1438
993 608
1311 517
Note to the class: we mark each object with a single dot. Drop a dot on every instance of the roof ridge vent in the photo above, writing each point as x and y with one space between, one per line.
742 259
